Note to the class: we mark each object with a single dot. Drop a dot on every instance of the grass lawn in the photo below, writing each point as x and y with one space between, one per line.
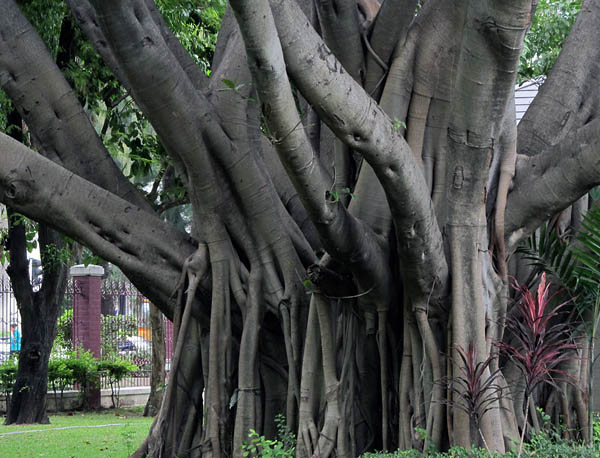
78 440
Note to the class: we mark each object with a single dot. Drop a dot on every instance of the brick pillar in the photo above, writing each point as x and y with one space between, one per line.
86 315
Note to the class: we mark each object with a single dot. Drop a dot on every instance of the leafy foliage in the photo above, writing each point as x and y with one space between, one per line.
259 446
552 22
116 369
60 376
8 376
195 24
284 447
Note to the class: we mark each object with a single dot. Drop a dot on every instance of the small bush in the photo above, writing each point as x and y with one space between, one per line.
85 372
284 447
545 444
116 369
8 376
60 376
259 446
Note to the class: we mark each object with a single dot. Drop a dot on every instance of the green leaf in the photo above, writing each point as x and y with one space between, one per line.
230 84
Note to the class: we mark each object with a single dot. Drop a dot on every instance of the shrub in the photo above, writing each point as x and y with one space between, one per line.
284 447
59 377
259 446
116 369
85 372
8 376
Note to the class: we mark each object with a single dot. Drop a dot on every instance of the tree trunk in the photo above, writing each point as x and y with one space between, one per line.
414 241
39 312
157 377
28 402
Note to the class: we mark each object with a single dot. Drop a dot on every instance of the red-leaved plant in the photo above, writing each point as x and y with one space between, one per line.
477 391
542 341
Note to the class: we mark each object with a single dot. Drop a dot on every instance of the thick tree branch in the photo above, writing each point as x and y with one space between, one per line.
344 237
224 178
150 251
51 110
361 124
549 182
559 123
198 78
569 97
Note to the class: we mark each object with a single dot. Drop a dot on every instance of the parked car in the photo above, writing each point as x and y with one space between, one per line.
135 344
126 346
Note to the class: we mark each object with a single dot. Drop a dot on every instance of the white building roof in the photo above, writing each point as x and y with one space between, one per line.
524 95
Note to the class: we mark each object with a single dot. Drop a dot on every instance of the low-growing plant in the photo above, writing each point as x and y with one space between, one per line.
85 372
60 376
8 376
475 387
116 370
259 446
543 341
283 447
284 433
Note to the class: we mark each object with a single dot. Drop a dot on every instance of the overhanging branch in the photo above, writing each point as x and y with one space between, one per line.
549 182
149 251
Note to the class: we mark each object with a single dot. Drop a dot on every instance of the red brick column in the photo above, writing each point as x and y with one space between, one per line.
86 315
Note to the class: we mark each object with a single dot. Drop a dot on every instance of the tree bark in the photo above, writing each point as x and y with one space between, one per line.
39 312
159 360
416 240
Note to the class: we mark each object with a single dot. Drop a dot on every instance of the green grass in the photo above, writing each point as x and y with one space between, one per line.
109 441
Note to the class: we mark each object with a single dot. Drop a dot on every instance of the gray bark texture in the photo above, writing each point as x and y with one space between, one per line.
357 202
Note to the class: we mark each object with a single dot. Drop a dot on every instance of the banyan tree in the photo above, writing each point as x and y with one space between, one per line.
358 187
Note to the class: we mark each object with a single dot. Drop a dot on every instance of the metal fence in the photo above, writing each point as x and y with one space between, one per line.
125 333
9 314
126 329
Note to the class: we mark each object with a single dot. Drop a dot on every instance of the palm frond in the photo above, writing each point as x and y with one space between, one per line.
548 252
587 253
